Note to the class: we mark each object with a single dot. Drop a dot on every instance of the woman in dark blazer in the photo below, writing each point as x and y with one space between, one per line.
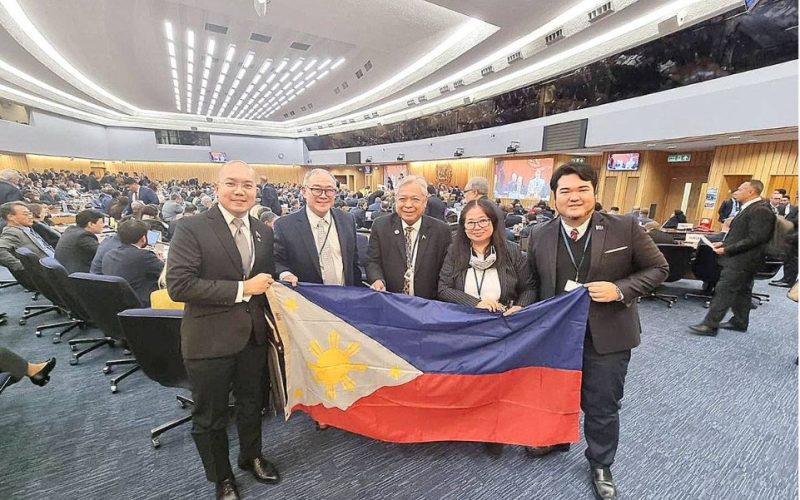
482 269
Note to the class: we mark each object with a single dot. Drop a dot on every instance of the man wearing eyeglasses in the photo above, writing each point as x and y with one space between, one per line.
317 244
407 249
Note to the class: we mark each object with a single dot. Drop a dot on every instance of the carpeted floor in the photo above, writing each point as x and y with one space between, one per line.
703 418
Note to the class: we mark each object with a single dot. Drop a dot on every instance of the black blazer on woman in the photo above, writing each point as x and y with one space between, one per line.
514 281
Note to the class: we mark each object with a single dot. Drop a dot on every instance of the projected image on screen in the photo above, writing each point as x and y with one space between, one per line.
623 161
392 175
523 178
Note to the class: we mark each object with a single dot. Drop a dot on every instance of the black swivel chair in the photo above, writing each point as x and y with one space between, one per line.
103 297
56 275
706 268
33 272
768 270
154 337
5 381
679 258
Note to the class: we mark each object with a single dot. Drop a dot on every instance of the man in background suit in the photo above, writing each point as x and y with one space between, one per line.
728 208
9 186
789 211
131 261
435 207
137 192
317 245
741 255
78 245
219 265
19 233
269 197
617 262
406 249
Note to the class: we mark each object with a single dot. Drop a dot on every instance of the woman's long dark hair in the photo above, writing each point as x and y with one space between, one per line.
461 247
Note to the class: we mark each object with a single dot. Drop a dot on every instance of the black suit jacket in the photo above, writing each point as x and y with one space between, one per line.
435 208
296 250
145 195
9 192
269 198
386 254
76 248
139 267
621 253
203 271
748 236
514 281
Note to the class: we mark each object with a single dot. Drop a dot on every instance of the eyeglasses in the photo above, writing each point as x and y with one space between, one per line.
481 223
329 192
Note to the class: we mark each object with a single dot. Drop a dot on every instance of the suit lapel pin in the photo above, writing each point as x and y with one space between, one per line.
598 228
258 237
396 231
423 236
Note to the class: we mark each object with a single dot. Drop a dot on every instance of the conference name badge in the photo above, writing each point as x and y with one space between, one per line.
572 285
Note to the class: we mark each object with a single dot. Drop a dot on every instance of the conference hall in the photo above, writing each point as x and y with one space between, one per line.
399 249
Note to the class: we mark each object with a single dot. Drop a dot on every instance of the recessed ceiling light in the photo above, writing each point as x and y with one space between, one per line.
206 72
168 29
211 46
288 84
672 147
284 77
324 64
338 63
310 65
734 137
281 65
230 53
264 67
297 76
225 67
171 48
752 140
190 38
323 74
310 84
296 65
270 78
241 73
248 59
310 75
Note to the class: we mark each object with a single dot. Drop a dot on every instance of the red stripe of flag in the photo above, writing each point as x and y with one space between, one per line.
531 406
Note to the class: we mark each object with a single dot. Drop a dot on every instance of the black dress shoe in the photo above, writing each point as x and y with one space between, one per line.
781 284
729 325
262 470
226 490
540 451
493 449
603 483
704 330
42 377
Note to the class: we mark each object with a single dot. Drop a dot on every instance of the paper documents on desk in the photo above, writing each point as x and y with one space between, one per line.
706 240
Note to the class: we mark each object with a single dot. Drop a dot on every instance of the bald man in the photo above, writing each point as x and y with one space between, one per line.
219 265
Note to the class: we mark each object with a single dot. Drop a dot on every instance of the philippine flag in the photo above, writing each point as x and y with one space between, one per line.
404 369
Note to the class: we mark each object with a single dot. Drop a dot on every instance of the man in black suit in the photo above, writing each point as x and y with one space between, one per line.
9 186
741 255
789 211
131 261
359 213
77 247
137 192
317 245
269 197
728 208
435 207
219 265
617 262
406 249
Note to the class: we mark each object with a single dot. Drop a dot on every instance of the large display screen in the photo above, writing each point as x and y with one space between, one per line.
521 178
623 161
392 175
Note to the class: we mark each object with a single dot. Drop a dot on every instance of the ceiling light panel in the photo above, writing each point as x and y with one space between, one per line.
256 78
189 69
221 78
173 62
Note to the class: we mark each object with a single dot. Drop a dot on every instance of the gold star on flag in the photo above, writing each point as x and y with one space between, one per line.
395 372
298 393
290 305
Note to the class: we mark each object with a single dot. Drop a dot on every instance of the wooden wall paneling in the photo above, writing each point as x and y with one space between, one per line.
14 161
609 190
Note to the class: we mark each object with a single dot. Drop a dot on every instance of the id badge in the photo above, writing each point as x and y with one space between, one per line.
571 285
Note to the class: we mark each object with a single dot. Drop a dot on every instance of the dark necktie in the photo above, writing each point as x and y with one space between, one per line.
573 235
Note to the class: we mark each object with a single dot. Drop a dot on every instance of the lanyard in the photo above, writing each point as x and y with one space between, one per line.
479 286
579 265
325 241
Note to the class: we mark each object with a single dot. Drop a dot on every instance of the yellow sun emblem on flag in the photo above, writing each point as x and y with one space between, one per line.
333 365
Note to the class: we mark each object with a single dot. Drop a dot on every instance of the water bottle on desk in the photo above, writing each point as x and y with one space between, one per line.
64 209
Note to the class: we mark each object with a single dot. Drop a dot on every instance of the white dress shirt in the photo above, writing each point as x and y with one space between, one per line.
414 247
240 297
488 280
581 229
332 243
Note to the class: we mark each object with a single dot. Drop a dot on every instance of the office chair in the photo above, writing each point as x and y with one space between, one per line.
103 297
5 381
362 243
679 258
768 270
154 337
56 275
707 269
32 272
